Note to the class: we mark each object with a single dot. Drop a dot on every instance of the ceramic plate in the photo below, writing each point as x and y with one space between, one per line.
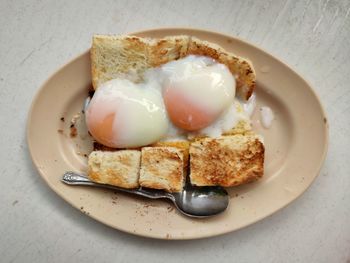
296 145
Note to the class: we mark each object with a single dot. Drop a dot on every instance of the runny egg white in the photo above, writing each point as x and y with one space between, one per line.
226 121
193 95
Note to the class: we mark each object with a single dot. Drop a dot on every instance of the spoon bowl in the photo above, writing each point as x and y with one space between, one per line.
201 201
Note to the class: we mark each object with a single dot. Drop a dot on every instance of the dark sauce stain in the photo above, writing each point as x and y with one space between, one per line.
73 131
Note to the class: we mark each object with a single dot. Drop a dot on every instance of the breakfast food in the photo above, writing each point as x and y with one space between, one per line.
125 114
174 100
226 161
120 114
119 168
184 146
113 56
162 168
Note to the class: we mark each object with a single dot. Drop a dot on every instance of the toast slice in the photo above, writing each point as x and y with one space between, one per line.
162 168
226 161
113 56
183 146
119 168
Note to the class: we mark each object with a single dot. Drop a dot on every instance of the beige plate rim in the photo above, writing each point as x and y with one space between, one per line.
202 235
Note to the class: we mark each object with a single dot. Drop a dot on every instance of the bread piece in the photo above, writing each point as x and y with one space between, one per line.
184 146
226 161
162 168
120 168
161 51
113 56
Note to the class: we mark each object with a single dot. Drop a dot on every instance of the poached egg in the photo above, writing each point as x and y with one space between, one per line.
190 95
124 114
196 91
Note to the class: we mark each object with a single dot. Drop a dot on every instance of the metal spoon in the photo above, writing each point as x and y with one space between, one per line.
192 201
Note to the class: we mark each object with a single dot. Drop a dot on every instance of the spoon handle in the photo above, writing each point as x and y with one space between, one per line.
72 178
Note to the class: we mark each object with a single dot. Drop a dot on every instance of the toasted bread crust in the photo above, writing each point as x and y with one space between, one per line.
113 55
119 168
162 168
184 146
167 49
226 161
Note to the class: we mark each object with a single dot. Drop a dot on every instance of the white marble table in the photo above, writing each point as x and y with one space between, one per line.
37 37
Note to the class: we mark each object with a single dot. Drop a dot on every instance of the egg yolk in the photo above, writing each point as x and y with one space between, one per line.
184 113
103 131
